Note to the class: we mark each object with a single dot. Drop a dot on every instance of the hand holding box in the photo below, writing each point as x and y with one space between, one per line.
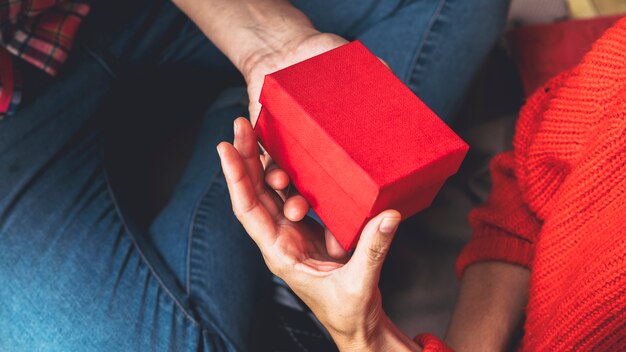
354 139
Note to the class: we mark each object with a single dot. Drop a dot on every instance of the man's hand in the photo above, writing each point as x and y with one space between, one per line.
341 291
269 60
259 36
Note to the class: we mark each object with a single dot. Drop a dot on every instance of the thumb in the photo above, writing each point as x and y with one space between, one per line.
374 244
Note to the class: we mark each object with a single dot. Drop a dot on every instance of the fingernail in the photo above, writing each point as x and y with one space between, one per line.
235 127
219 152
388 225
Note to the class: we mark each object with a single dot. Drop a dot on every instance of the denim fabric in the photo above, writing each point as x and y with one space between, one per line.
76 274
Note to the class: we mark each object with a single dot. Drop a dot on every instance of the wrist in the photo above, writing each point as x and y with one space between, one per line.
246 31
382 336
271 41
272 32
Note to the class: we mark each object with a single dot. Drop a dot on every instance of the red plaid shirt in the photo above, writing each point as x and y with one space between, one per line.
40 32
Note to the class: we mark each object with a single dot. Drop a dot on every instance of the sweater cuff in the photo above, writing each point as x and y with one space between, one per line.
494 244
431 343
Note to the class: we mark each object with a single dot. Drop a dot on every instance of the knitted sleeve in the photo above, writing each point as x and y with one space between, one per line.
504 229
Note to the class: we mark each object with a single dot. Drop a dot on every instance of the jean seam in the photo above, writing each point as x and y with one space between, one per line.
173 47
99 60
418 51
192 230
206 315
352 29
293 337
141 254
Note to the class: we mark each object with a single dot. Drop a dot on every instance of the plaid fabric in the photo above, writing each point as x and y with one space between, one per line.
40 32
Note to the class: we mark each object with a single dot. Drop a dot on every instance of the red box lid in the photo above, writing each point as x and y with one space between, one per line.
354 139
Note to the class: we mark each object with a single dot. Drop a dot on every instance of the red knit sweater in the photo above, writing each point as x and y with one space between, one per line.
558 206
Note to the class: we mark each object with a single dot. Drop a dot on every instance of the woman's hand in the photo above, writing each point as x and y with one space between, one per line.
341 291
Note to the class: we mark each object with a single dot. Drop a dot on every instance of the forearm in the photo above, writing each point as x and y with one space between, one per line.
385 337
244 30
490 307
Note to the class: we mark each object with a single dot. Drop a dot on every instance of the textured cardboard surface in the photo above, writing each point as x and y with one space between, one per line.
354 139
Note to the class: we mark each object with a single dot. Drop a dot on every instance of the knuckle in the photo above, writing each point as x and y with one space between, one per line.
238 177
377 252
244 209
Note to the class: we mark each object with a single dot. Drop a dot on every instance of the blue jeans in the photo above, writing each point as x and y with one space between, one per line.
76 273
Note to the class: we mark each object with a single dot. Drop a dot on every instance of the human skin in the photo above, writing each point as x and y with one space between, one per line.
490 307
343 291
260 37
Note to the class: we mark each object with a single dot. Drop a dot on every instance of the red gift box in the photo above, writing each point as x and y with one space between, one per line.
354 139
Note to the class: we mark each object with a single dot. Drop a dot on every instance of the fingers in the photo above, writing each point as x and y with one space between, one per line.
374 244
334 249
246 204
275 177
246 145
385 63
295 208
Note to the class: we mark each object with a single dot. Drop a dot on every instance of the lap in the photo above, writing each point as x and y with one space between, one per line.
76 273
78 276
74 276
202 241
433 46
